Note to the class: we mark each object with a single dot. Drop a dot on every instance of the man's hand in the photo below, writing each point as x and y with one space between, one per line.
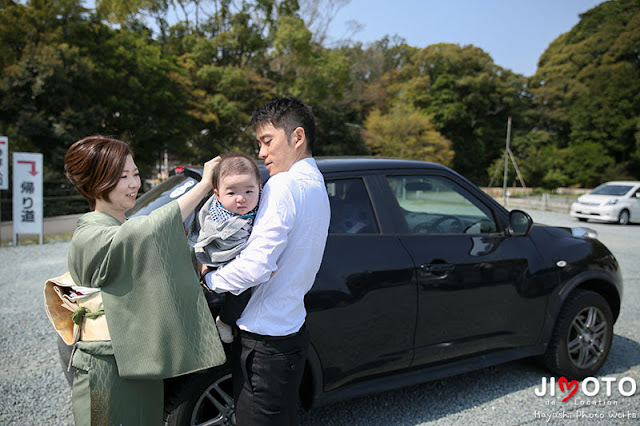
202 269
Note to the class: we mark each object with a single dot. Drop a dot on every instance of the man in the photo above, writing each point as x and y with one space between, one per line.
279 264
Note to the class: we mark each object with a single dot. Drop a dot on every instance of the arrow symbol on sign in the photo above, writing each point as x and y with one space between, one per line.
33 171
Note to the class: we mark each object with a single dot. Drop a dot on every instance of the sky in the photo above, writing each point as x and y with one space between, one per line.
514 32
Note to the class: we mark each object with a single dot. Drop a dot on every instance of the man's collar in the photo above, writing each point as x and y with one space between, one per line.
303 162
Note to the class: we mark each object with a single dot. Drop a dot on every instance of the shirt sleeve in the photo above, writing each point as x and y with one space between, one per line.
255 264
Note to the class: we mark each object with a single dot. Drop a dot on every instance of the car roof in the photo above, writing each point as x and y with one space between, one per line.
338 164
622 182
351 164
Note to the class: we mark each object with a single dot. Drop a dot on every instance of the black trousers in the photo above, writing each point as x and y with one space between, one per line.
267 373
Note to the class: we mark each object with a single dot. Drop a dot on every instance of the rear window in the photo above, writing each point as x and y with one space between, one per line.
162 194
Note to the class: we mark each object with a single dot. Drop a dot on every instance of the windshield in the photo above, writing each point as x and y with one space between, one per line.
161 194
608 189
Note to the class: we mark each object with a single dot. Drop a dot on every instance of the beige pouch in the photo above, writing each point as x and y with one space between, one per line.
60 306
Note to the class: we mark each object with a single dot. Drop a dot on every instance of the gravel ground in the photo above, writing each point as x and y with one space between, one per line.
33 387
34 390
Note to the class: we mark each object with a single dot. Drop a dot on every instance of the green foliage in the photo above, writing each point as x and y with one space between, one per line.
406 133
587 163
44 101
586 92
468 96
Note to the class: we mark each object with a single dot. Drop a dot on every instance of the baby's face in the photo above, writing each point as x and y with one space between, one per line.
238 193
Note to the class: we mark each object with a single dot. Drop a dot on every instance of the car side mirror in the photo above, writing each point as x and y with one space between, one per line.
520 223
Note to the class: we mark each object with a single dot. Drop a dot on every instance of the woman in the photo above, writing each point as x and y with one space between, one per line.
158 319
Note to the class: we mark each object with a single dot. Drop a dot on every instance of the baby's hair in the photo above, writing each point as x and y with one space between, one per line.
233 163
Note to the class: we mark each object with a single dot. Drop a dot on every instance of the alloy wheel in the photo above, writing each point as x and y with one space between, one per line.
588 337
623 219
215 406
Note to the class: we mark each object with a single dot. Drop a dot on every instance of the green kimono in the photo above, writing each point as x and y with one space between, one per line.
158 318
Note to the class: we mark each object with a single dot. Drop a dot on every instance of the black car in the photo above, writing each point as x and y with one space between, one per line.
425 276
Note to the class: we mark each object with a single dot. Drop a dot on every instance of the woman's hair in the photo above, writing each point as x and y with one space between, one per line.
233 163
94 165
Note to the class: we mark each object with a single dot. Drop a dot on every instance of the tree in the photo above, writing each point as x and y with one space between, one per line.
145 94
406 133
587 88
468 97
45 102
72 76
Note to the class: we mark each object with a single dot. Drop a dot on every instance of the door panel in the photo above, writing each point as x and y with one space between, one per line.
635 206
364 293
474 291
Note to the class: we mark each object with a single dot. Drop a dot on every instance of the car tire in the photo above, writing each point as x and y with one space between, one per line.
582 219
205 397
623 218
582 337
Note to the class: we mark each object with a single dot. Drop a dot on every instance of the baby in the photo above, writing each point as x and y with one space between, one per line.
219 231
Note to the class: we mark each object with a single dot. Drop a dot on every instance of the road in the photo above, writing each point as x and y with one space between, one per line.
34 390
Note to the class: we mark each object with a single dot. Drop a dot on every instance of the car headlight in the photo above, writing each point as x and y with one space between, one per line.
611 202
580 232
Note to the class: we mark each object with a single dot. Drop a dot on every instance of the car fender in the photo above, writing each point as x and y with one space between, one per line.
600 281
312 380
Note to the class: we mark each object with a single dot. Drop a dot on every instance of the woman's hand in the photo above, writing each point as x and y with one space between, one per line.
190 200
207 172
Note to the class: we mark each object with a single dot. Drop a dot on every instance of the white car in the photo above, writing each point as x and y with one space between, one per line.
617 201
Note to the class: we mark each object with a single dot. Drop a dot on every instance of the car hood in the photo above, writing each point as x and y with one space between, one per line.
579 232
596 200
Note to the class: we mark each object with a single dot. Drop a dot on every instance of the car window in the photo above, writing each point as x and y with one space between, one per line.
436 205
351 211
609 189
162 194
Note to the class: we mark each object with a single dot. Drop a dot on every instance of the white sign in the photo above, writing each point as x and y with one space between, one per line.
27 194
4 163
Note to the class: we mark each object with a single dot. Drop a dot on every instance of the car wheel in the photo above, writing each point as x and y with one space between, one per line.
623 219
201 398
582 336
582 219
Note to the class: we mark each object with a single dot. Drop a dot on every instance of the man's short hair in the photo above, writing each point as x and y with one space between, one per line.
287 113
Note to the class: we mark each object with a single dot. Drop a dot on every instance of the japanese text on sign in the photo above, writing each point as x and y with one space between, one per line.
27 193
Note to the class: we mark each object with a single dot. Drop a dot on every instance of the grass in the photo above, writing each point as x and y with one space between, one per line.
35 240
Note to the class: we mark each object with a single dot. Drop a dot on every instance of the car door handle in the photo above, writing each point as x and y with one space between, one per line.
436 270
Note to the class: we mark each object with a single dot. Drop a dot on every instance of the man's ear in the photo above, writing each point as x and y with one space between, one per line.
299 137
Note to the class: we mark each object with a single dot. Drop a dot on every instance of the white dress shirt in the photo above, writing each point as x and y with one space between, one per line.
288 240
